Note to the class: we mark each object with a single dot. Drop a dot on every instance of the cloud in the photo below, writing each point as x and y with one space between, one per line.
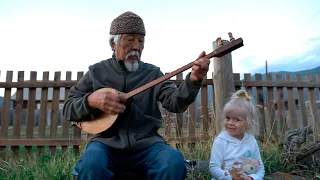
308 59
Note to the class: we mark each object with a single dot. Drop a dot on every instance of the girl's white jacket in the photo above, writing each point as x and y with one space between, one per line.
228 149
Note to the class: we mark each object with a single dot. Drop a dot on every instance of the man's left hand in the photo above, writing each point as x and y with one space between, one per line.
200 68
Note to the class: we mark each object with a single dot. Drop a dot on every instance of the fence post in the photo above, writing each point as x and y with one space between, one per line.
223 82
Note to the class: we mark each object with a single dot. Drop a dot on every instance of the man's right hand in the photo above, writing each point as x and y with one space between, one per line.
107 102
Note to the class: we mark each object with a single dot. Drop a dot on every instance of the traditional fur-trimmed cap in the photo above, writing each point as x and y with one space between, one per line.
127 23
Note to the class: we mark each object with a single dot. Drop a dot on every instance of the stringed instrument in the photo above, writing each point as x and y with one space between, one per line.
104 121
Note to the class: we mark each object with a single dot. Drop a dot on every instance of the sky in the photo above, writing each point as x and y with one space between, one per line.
69 35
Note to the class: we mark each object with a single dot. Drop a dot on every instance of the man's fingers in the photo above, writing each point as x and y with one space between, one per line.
118 107
203 53
121 107
200 66
113 97
204 64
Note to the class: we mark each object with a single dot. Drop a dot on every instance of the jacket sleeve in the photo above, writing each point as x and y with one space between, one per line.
261 172
177 99
76 107
216 161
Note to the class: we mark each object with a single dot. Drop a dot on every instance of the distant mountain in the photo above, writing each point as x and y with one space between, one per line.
303 73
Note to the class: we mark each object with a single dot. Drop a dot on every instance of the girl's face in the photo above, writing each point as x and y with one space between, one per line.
235 121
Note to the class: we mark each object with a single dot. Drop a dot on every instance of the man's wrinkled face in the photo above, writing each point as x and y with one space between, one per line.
129 50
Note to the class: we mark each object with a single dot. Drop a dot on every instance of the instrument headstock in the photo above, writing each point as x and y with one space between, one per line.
224 49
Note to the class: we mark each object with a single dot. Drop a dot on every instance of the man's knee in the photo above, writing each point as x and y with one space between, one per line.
168 159
167 163
175 161
94 159
91 160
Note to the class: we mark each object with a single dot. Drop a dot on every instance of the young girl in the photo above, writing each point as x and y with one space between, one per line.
234 144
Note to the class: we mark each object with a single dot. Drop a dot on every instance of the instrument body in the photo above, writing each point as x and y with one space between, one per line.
104 121
101 122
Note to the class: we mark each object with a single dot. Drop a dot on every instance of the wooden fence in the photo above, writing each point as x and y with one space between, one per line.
286 104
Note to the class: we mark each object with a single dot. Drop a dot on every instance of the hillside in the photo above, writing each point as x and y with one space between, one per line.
292 73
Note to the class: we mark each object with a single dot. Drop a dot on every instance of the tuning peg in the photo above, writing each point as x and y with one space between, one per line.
219 41
230 36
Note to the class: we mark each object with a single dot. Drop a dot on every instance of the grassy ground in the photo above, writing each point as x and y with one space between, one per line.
59 166
33 167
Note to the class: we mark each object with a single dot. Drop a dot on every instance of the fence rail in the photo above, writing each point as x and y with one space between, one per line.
248 83
31 116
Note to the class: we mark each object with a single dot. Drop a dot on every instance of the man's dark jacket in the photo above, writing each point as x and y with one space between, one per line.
136 128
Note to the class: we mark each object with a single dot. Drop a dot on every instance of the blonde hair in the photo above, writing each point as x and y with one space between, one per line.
242 99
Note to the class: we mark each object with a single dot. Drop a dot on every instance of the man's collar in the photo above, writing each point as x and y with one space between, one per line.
114 55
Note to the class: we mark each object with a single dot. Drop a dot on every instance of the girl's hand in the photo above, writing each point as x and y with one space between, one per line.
239 176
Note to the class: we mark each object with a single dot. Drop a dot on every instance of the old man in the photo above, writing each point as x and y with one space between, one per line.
132 143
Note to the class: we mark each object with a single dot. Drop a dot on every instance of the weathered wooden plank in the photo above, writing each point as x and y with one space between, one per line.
77 130
191 123
179 116
212 118
37 84
281 108
65 123
204 112
18 113
31 108
292 105
302 104
5 114
43 112
271 110
167 123
316 127
253 83
204 103
237 83
6 106
222 78
313 109
247 77
236 77
42 142
54 112
192 120
260 103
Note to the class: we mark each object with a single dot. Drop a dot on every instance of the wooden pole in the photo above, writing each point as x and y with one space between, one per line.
266 67
223 83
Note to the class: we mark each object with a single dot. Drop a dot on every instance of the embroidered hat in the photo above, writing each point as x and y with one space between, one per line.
127 23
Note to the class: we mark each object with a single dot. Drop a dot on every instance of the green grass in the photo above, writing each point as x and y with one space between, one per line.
60 165
44 167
